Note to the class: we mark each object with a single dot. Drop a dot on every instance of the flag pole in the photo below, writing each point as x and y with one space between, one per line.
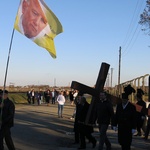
6 76
8 59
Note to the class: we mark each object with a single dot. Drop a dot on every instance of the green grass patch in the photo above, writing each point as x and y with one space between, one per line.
18 97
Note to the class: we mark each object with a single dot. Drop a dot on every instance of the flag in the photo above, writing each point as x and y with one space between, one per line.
37 22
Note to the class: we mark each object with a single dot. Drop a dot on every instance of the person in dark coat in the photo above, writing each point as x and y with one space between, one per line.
71 97
85 131
76 116
105 115
125 120
29 97
48 96
148 124
7 109
140 115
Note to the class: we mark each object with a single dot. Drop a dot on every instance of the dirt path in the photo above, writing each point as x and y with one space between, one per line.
39 128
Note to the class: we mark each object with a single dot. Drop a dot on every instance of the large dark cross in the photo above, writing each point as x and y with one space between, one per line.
90 118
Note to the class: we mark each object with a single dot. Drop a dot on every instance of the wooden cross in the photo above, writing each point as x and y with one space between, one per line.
90 118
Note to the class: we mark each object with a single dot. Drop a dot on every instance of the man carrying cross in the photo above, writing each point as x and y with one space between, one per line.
105 115
91 116
84 130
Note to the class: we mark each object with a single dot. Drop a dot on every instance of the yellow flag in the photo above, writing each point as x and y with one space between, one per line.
38 23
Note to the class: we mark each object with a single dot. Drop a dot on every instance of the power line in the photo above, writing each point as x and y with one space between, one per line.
132 41
129 28
132 34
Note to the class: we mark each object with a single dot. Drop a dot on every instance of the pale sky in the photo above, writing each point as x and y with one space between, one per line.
93 32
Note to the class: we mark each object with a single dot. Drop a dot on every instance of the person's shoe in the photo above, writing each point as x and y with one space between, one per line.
145 138
94 144
138 134
82 148
108 148
75 143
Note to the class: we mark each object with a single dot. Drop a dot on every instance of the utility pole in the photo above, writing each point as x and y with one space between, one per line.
111 76
54 82
108 81
119 90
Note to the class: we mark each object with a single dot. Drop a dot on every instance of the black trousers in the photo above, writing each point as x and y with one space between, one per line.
85 132
125 147
139 124
147 131
53 100
5 133
33 98
76 132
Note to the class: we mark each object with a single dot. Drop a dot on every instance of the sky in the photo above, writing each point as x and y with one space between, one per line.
93 32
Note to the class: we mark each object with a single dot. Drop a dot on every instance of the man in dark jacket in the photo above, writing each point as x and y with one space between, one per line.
76 115
105 114
140 115
148 124
84 130
125 119
7 110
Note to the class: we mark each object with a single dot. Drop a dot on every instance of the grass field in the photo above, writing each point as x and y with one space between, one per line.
18 97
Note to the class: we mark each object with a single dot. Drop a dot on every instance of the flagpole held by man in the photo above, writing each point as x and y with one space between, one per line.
7 109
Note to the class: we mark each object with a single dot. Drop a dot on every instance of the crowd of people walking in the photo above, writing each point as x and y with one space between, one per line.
47 96
126 119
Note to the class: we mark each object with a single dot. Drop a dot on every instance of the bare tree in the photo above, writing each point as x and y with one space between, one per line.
145 18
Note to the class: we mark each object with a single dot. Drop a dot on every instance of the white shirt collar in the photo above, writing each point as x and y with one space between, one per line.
124 106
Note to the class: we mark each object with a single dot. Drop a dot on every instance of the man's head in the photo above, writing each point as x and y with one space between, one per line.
139 94
102 96
78 98
33 18
124 98
129 89
80 93
5 94
82 100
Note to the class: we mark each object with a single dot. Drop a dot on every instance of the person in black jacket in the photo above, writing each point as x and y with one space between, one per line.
140 115
148 124
125 120
7 110
105 114
84 129
76 116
